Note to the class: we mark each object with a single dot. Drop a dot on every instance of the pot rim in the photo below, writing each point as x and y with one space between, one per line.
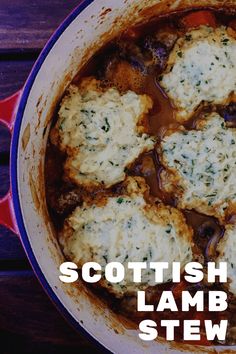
14 172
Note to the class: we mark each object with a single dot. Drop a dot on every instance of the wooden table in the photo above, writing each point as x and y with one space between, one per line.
29 322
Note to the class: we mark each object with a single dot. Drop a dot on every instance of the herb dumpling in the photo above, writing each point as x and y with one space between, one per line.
102 131
201 69
127 229
227 251
200 166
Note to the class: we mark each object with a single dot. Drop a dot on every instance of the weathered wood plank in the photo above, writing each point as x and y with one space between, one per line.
13 75
12 255
28 316
4 179
4 141
29 23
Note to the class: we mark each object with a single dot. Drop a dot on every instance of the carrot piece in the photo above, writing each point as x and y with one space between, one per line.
199 18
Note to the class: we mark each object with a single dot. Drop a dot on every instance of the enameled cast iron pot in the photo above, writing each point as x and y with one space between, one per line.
27 114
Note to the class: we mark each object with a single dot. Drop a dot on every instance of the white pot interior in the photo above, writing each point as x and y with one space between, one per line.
77 43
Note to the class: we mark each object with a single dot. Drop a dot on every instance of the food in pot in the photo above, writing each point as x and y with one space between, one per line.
154 109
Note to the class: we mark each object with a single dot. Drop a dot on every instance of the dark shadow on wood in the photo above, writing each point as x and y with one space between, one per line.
32 320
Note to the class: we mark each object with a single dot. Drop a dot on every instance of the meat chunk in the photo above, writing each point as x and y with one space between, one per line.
64 200
124 76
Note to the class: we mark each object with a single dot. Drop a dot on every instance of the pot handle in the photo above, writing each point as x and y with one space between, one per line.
8 109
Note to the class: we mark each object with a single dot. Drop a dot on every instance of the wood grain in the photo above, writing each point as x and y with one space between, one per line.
28 24
5 139
12 255
13 74
4 178
31 315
